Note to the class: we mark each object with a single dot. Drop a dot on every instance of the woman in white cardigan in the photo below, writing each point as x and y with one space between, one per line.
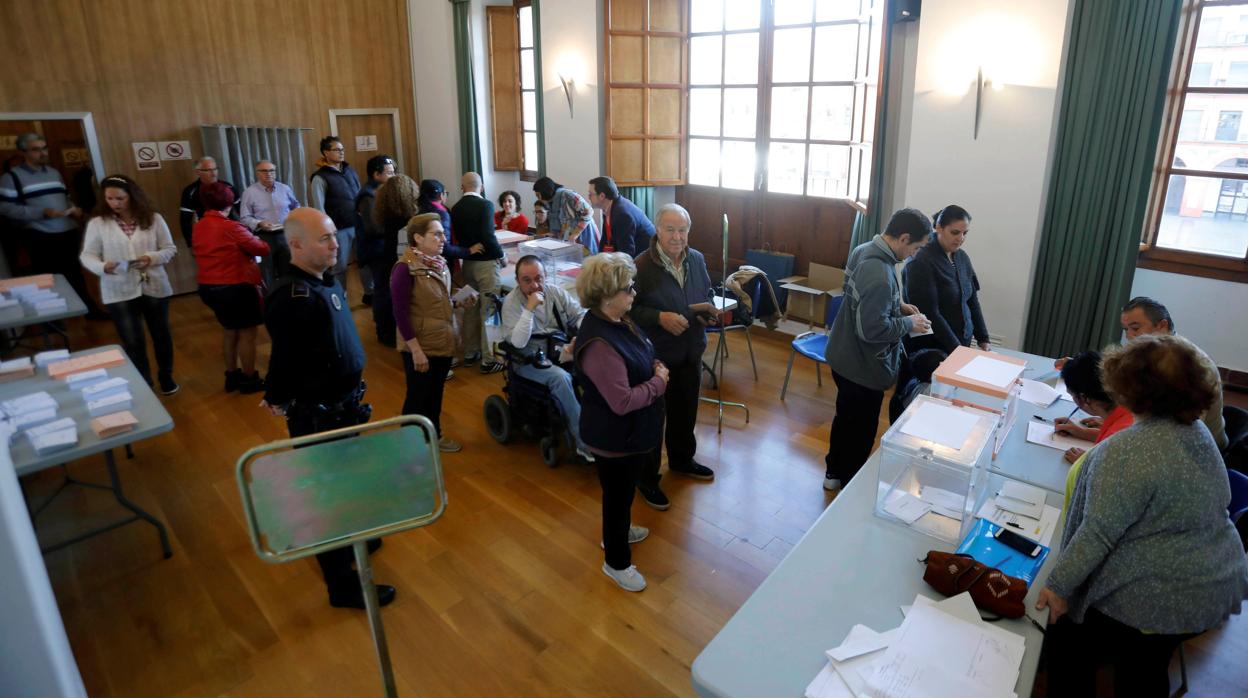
128 245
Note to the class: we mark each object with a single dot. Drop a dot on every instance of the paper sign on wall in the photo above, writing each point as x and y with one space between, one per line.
363 143
175 150
76 157
146 155
8 142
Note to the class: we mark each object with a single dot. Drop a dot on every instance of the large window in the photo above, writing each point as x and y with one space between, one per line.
515 83
782 95
1198 223
528 92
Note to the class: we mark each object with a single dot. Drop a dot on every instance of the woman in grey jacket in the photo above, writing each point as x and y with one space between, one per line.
864 345
1149 555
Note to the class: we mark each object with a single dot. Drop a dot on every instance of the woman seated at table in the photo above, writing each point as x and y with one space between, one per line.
941 282
1149 555
622 406
541 221
508 215
1082 376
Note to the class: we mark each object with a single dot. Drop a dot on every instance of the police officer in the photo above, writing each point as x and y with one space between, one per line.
316 365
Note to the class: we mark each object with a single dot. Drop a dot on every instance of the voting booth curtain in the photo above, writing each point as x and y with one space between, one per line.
1113 95
237 149
642 198
469 141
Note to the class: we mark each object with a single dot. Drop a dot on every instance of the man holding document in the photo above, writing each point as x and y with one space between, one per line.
864 346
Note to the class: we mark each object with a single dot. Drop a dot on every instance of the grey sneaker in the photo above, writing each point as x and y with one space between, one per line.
448 445
629 579
831 484
636 534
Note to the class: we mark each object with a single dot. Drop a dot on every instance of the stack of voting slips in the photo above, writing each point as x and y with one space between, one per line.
941 649
53 436
87 362
78 381
11 310
14 369
44 358
40 301
107 396
113 424
30 410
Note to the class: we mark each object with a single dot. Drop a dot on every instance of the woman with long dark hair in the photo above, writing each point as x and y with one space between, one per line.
941 282
128 245
508 216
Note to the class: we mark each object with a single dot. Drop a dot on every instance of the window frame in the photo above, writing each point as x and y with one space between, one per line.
1172 260
527 175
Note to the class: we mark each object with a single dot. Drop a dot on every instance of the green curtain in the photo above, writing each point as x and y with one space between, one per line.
1113 95
866 225
469 140
642 196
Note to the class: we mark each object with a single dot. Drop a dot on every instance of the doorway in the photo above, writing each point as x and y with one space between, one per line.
368 132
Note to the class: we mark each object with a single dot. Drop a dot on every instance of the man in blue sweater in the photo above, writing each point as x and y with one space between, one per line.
864 347
625 227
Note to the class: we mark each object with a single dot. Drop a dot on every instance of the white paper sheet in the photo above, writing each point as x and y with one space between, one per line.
916 333
1044 435
947 426
898 675
856 670
906 506
550 244
1038 393
861 640
943 502
828 684
991 371
464 293
1039 530
1021 499
1063 393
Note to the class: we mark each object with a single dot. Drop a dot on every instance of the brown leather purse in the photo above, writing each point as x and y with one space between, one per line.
991 589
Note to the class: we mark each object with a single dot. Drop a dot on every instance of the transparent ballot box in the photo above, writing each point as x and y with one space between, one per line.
557 257
934 467
982 378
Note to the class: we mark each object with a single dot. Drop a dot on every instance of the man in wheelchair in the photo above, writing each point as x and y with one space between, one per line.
537 320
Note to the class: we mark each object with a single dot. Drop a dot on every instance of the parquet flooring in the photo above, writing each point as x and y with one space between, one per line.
503 596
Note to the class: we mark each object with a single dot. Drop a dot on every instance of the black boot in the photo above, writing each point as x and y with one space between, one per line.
250 384
232 379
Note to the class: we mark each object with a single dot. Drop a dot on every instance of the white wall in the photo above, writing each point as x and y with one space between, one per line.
570 35
1189 300
1001 176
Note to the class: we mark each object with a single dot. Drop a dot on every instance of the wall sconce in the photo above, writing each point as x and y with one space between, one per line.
569 69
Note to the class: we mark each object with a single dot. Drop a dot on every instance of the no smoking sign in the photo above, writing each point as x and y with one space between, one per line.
175 150
146 156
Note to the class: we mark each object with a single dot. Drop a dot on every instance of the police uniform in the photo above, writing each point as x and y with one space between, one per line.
314 372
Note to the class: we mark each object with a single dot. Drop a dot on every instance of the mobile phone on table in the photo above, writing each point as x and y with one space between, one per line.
1017 542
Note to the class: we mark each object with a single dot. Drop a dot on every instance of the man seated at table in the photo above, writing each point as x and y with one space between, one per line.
537 309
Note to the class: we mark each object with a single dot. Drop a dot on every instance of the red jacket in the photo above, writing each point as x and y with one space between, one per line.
225 251
519 224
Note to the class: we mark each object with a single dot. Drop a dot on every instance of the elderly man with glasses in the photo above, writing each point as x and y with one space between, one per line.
264 208
192 208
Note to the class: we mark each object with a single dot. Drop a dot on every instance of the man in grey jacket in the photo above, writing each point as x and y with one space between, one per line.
864 347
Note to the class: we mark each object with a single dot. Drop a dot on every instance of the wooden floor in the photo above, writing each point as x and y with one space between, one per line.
504 596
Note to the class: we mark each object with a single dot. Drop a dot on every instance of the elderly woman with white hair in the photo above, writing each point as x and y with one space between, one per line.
621 409
673 307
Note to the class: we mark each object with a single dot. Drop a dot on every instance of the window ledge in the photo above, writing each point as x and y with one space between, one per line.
1194 264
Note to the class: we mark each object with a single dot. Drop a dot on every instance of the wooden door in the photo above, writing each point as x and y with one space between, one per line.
366 135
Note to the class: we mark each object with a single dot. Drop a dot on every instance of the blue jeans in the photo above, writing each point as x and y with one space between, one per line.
346 239
129 318
559 383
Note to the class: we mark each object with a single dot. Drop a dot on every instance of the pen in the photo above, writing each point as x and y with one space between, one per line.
1046 420
1011 523
1072 412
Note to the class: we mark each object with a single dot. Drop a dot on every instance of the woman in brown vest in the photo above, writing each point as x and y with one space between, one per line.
420 286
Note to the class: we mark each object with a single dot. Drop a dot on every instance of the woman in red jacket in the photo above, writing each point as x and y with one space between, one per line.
508 216
229 284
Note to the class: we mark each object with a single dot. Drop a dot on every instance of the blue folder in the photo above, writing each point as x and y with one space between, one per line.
981 545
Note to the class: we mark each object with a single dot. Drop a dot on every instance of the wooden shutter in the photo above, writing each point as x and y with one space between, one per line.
647 88
505 87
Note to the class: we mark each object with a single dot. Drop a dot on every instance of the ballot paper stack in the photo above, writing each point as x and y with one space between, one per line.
941 650
38 301
10 310
107 396
44 358
35 414
14 369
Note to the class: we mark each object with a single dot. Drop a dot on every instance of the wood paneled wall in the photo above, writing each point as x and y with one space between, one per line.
154 70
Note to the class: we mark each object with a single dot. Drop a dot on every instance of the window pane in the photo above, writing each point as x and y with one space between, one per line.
828 10
1202 75
1203 214
832 113
788 112
836 52
855 159
704 162
741 59
741 112
870 104
867 51
529 100
741 174
526 27
707 16
704 112
793 12
741 14
791 57
864 175
530 152
1237 76
1228 125
829 170
786 164
526 69
1189 126
705 60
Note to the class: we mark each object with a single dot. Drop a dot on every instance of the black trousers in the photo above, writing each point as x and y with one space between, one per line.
129 317
853 428
681 403
424 390
57 253
277 262
383 305
1074 651
618 477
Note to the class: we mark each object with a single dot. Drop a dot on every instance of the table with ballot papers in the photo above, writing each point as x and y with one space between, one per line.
57 407
37 300
847 613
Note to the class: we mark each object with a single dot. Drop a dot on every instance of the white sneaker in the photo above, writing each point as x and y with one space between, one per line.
584 453
448 445
636 534
831 484
629 579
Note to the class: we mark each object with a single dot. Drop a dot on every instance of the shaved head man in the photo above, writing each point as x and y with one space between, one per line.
192 207
313 245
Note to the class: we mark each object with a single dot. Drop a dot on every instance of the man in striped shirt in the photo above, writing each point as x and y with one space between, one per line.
34 196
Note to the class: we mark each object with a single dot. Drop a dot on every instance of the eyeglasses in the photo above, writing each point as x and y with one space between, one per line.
336 150
205 169
266 171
